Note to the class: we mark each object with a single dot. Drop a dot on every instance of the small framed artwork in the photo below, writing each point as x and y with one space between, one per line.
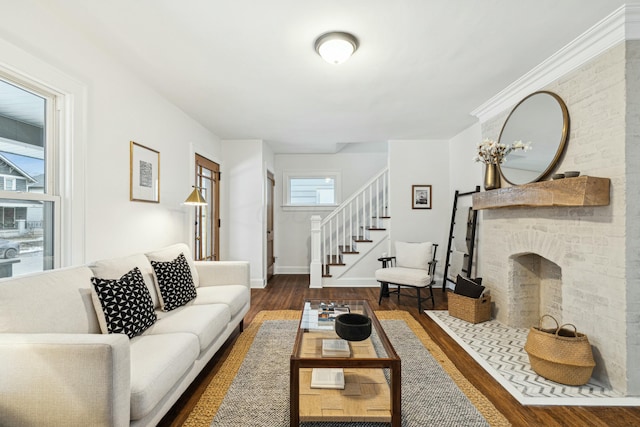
144 174
421 196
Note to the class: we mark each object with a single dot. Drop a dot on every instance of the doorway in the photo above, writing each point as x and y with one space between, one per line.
271 185
207 236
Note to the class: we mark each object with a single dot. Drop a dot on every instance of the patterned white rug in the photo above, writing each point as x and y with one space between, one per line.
499 349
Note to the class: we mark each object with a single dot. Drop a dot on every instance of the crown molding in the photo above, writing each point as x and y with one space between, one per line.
623 24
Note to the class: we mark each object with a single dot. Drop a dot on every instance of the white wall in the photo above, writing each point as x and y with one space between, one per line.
464 173
118 107
242 199
420 162
293 227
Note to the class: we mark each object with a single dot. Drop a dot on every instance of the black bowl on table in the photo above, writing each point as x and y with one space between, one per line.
353 327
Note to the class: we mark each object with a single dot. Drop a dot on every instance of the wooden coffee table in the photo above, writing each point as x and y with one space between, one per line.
367 396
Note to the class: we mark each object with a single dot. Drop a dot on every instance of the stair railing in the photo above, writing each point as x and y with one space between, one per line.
339 231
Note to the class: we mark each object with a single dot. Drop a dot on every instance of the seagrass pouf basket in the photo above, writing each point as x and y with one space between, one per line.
560 354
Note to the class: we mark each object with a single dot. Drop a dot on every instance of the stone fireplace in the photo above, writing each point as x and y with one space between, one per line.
564 262
537 284
580 264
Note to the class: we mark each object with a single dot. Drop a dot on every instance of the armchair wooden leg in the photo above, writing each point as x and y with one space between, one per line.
382 287
419 301
433 300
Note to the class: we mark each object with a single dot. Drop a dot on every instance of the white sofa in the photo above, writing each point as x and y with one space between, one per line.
58 369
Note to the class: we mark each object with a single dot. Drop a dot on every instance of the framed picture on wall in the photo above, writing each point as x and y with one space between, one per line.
421 197
144 174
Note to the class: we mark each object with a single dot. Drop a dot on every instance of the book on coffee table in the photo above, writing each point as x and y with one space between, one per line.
335 348
327 378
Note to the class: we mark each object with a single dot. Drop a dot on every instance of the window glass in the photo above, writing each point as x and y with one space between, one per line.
26 211
311 189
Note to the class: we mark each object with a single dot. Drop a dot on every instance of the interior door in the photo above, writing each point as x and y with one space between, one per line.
207 242
271 184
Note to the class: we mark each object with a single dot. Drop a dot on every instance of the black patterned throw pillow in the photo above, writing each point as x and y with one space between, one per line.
174 281
125 303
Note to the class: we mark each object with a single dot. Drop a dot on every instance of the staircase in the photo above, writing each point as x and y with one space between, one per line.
343 243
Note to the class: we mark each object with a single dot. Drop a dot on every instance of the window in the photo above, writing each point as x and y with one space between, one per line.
311 189
29 205
10 184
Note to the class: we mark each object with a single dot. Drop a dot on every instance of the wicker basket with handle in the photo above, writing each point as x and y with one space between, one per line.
560 354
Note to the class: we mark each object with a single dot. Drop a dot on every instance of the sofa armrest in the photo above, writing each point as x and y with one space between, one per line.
65 379
216 273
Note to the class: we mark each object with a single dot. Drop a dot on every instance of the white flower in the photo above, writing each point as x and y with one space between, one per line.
492 152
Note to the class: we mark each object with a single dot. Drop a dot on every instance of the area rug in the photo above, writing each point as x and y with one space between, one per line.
499 349
252 386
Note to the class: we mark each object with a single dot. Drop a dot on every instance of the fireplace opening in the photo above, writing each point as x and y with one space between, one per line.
536 285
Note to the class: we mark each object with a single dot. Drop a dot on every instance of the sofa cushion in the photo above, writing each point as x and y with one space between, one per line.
114 268
174 282
171 252
234 296
206 322
123 306
55 301
157 364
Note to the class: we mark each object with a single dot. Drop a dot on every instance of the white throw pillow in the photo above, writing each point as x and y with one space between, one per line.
414 255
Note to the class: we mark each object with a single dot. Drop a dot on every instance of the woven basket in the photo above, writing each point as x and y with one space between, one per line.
473 310
560 354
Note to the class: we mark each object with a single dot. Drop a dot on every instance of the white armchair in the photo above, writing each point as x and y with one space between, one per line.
413 266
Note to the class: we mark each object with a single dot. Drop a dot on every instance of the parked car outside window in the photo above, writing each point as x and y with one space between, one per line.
9 249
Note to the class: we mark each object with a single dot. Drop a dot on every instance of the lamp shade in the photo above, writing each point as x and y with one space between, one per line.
336 47
195 198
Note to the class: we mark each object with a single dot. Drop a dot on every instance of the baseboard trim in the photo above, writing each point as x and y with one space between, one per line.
362 282
291 270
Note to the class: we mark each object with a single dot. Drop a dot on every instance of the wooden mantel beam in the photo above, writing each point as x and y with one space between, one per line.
579 191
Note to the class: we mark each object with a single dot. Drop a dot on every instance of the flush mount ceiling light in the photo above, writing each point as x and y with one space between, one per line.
336 47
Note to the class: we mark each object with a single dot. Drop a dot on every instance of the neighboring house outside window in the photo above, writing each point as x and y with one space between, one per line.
29 211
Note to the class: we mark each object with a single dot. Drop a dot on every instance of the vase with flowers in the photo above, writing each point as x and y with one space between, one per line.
493 153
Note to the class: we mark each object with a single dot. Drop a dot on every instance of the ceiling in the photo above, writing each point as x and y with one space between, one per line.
247 69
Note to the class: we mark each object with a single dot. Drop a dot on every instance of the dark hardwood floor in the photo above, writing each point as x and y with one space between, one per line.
289 291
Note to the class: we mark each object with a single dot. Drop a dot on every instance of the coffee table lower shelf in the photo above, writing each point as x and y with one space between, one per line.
365 398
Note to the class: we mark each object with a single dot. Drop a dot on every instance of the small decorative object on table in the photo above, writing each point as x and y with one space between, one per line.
571 174
353 327
493 153
559 354
327 378
335 348
557 176
329 312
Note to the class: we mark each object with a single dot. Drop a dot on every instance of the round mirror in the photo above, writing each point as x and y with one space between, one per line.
541 119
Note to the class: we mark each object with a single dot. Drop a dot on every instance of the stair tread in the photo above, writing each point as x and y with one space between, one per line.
347 250
376 229
362 240
334 260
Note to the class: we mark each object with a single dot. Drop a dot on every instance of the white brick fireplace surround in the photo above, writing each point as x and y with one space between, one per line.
581 264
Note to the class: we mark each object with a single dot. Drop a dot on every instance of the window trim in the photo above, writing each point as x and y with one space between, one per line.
66 129
286 193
